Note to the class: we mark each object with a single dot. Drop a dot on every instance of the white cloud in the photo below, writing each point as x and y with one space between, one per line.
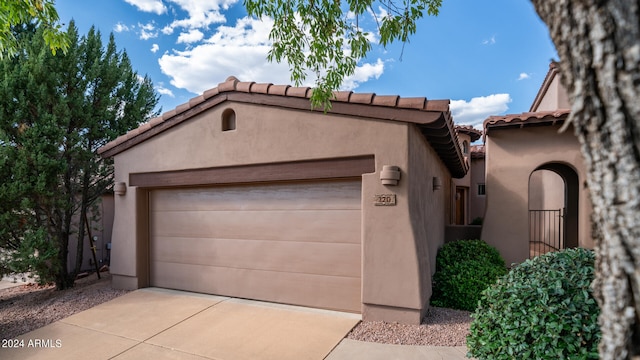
489 41
201 14
155 48
241 51
164 91
120 27
147 31
192 36
523 76
152 6
475 111
362 74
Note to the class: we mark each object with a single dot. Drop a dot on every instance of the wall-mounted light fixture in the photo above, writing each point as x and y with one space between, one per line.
120 188
437 183
390 175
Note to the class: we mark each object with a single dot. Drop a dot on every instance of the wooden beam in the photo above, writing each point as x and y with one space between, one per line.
323 169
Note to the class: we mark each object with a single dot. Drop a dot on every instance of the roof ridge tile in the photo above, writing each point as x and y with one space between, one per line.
361 98
278 90
342 96
244 86
261 88
182 108
196 100
412 102
211 93
437 105
229 84
386 100
300 92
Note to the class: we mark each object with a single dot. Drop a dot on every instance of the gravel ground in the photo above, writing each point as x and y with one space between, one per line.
28 307
441 327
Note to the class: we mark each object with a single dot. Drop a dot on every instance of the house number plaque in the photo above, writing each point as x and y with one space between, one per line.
384 200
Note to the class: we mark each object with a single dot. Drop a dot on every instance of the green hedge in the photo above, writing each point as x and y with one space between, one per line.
543 309
464 269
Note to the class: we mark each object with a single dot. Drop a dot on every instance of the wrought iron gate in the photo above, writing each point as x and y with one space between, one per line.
546 231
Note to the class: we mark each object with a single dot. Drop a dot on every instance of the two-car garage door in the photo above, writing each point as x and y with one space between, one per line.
295 243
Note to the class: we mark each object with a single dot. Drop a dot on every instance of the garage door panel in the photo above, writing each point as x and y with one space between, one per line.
330 292
311 225
330 259
299 196
295 243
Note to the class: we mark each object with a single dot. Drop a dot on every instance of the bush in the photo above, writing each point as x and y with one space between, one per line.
464 269
543 309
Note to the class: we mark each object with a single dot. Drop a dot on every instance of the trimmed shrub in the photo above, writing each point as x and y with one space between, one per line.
464 268
542 309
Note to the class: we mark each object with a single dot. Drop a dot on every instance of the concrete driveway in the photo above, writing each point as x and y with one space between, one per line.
165 324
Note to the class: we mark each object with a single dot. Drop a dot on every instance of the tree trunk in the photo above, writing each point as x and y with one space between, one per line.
599 47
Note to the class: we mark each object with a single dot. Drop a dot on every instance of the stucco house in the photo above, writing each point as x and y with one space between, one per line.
536 195
245 191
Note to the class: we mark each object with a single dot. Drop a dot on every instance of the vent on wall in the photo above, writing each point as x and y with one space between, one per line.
228 120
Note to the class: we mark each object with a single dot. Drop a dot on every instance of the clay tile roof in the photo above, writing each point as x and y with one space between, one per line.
260 88
361 98
210 93
196 100
278 90
413 103
432 117
539 118
244 86
388 100
478 151
182 108
437 105
169 114
228 85
527 118
342 96
301 92
469 130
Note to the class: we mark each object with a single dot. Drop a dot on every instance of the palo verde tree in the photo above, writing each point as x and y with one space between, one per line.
55 112
599 46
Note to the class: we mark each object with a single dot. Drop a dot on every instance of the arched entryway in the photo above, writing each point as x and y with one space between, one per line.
553 208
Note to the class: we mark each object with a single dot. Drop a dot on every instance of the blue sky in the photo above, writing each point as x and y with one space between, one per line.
488 56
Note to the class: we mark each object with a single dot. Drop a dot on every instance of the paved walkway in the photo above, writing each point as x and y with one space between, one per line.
157 323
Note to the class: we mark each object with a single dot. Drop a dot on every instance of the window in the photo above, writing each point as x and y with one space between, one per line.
228 120
481 189
465 147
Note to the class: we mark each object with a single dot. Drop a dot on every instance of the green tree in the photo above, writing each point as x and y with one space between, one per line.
55 112
324 37
42 12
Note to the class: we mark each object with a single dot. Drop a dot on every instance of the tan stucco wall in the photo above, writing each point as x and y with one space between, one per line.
546 190
555 98
512 156
476 202
394 285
